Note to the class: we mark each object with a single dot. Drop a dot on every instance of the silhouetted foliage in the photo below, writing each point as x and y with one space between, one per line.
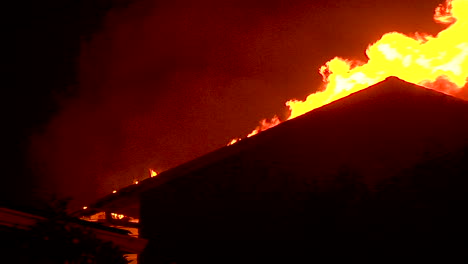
59 239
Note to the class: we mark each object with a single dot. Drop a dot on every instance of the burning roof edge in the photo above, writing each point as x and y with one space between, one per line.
129 196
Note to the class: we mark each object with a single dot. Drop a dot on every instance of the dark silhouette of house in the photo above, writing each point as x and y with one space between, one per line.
377 176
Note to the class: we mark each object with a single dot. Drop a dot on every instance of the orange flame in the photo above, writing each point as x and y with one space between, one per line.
439 63
264 125
117 216
152 173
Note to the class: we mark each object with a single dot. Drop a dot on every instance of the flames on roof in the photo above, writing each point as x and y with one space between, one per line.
437 62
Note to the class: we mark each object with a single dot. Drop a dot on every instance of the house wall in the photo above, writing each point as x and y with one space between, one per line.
228 207
415 216
306 188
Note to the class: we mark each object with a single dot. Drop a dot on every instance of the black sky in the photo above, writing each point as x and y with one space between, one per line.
106 89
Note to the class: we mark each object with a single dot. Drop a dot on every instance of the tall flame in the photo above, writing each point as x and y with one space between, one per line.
439 63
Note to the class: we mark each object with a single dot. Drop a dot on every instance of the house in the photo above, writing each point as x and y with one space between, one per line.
315 188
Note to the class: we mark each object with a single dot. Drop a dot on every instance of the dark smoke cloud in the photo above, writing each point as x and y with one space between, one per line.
163 82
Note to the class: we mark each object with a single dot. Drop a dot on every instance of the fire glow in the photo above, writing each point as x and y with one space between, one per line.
117 216
153 173
439 63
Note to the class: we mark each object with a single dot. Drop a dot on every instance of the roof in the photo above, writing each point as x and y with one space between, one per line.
387 96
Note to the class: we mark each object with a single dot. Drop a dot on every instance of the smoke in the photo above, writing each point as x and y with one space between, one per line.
166 81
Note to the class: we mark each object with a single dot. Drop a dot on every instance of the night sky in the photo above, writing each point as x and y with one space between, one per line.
107 89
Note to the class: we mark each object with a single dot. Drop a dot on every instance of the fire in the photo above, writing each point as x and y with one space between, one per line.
264 125
117 216
439 63
152 173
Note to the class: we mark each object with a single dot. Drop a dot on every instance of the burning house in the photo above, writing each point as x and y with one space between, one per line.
371 168
377 175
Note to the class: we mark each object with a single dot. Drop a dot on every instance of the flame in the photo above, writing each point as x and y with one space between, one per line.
117 216
439 63
234 141
263 125
152 173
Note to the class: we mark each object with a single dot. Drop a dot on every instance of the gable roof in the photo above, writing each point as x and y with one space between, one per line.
362 122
